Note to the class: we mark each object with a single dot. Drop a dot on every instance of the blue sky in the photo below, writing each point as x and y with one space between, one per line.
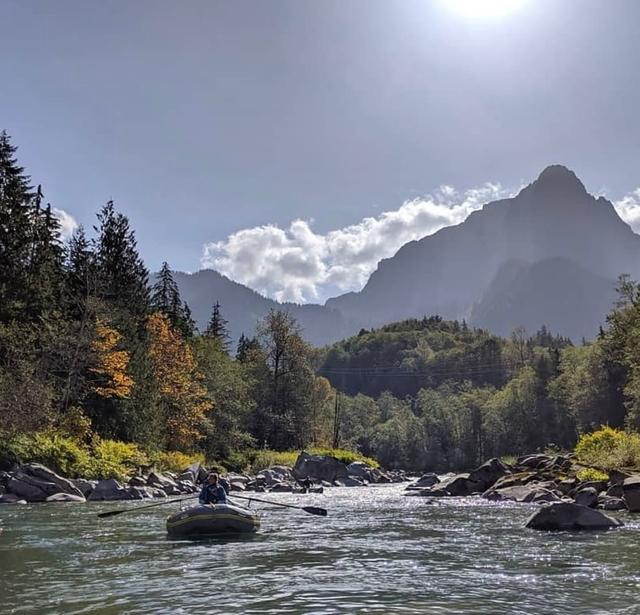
222 123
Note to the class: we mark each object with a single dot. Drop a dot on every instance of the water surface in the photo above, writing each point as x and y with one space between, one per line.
376 552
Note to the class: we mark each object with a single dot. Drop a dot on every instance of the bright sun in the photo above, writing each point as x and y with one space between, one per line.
485 8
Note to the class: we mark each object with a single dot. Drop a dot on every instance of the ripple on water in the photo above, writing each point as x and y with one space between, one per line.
377 552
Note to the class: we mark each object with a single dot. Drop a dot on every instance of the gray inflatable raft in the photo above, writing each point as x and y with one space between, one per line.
212 520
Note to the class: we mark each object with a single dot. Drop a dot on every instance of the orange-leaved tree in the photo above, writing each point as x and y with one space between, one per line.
110 363
182 395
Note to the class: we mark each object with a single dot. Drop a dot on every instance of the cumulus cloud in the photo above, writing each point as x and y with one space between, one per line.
68 223
628 208
297 264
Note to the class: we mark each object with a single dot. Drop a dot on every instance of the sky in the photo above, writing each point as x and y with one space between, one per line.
292 144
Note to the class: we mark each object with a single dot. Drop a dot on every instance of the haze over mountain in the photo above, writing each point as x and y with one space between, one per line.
550 255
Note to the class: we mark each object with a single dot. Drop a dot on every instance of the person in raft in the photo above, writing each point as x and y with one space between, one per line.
212 492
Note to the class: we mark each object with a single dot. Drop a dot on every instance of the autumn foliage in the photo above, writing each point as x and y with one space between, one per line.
183 396
112 363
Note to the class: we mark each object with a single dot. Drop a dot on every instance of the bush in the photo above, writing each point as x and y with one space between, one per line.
114 459
175 461
609 449
62 455
589 474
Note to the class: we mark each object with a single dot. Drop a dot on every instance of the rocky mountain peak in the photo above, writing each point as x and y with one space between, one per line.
559 181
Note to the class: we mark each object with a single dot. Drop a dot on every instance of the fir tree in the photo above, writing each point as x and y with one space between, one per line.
165 298
217 327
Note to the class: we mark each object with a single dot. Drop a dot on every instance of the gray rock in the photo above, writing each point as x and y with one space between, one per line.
164 482
66 497
138 481
35 483
237 486
84 486
281 488
567 485
488 473
109 490
534 461
460 485
611 503
631 492
350 481
587 496
426 480
563 516
359 469
615 491
11 498
319 467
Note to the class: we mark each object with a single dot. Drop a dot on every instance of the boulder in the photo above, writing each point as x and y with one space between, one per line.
35 483
350 481
138 481
588 496
164 482
564 516
84 485
109 490
433 492
11 498
282 488
607 502
65 497
631 492
425 481
615 491
319 467
567 485
515 493
360 470
521 478
460 485
488 473
534 461
237 486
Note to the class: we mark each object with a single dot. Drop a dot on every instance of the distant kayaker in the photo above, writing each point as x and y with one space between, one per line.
212 492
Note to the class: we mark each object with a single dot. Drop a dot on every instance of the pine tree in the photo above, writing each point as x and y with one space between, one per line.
165 298
122 275
15 231
217 328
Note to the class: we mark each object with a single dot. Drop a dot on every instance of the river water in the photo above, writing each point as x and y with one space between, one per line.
376 552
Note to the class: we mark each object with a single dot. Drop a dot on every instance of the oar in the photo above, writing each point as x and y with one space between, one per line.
112 513
312 510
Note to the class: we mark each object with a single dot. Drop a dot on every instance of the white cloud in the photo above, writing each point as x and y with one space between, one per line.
628 209
68 223
297 264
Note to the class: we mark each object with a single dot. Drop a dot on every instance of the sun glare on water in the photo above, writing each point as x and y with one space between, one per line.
485 8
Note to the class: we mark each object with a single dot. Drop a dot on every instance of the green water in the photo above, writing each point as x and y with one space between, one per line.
376 552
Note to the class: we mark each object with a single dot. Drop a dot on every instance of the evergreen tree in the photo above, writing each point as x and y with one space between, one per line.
217 327
165 298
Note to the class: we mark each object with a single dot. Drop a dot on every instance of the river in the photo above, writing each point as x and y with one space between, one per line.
376 552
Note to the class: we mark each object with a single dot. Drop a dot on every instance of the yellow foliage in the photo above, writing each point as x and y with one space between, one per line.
183 394
112 364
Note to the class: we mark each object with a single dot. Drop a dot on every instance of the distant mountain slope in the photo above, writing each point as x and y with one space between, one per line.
449 272
549 255
244 307
568 297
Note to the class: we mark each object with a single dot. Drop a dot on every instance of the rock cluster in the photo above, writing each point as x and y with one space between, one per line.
538 479
36 483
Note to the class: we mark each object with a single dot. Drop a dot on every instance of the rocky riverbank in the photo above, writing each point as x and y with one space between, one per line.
37 483
546 480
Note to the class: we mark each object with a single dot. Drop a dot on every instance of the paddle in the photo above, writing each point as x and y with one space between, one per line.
312 510
112 513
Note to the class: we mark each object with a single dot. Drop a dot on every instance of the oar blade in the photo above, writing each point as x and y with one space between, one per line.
110 513
314 510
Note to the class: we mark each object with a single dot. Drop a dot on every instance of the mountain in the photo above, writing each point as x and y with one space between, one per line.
550 255
244 307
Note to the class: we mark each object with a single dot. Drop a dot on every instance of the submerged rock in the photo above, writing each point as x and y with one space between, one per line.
567 516
425 481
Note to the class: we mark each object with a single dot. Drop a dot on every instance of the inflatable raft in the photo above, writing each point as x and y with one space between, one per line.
212 520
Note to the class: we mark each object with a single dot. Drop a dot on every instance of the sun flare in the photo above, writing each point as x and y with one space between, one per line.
485 8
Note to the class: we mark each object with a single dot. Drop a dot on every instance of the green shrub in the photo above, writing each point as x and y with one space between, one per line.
609 449
62 455
589 474
175 461
114 459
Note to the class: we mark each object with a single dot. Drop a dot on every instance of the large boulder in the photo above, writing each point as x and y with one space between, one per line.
460 485
565 516
631 492
84 485
109 490
35 483
587 496
11 498
350 481
164 482
319 467
532 492
281 488
425 481
488 473
361 470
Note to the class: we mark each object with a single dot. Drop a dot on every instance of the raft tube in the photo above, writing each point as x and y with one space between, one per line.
212 520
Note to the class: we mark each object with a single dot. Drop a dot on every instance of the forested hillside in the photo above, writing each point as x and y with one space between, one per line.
98 365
